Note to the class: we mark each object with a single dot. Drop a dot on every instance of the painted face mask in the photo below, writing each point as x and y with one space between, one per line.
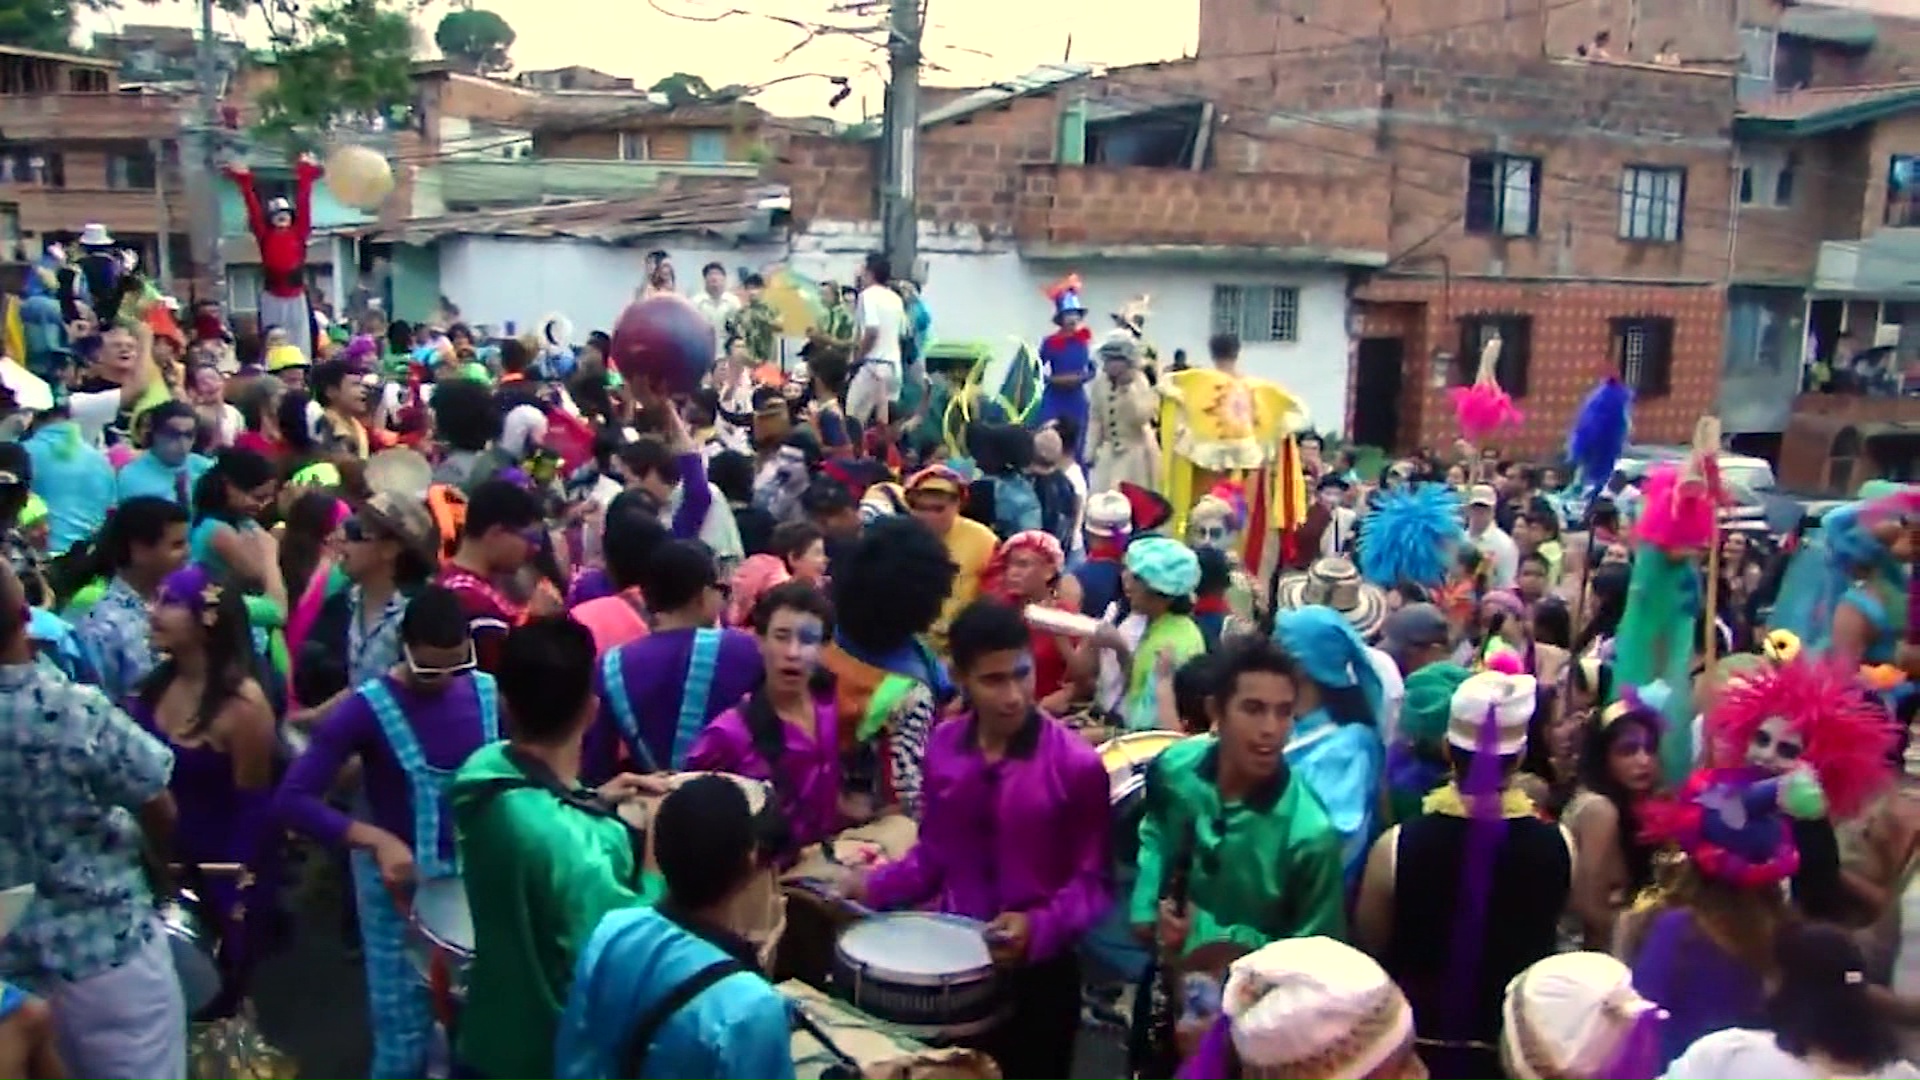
1776 746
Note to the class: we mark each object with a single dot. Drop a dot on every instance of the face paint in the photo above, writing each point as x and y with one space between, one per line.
1776 746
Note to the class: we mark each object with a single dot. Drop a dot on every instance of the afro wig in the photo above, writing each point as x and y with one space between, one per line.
1849 735
892 585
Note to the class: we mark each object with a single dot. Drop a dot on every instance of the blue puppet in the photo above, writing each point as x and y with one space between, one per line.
1066 355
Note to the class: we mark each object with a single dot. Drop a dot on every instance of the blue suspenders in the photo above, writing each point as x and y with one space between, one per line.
427 785
701 665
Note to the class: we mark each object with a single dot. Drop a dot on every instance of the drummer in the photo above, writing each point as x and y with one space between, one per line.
410 728
785 732
1263 861
657 693
543 857
1015 833
675 990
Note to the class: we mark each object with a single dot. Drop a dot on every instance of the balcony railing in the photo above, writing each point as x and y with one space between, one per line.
30 117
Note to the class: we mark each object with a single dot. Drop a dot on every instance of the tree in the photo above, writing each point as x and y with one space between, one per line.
681 88
344 60
475 40
37 24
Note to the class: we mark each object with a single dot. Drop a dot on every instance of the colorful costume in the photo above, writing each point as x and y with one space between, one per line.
1066 356
1216 522
1849 564
283 252
1659 634
1217 426
1811 712
887 591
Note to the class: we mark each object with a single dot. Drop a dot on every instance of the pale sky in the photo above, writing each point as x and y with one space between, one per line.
977 41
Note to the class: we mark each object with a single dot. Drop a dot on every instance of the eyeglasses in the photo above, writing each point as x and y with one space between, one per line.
415 669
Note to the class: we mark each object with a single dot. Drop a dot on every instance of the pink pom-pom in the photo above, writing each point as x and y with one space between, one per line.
1482 409
1506 663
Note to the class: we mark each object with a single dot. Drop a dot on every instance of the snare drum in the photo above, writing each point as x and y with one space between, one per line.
928 973
192 947
1127 759
442 940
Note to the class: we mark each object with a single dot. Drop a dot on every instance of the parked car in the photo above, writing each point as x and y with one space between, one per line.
1752 473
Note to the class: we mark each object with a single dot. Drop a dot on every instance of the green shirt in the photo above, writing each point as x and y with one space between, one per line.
540 874
1263 868
1177 635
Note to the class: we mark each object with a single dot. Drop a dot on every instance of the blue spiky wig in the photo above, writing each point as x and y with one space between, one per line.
1410 536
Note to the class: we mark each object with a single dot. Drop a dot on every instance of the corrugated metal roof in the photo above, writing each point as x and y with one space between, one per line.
1039 80
1835 26
711 207
1810 112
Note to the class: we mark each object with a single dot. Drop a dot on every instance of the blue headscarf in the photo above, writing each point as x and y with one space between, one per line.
1335 657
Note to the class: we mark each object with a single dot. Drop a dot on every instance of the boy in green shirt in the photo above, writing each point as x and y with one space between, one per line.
543 857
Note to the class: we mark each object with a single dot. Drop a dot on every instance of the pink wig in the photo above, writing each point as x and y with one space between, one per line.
1679 512
1849 735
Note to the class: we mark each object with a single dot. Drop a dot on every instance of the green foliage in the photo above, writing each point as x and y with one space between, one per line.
37 24
351 61
475 40
681 88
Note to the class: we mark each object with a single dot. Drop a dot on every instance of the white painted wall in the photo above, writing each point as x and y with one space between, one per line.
978 289
497 279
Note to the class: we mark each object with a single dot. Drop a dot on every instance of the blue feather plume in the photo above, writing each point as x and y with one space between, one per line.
1410 537
1599 433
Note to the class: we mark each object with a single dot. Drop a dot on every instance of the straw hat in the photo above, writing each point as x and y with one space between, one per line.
1569 1016
1334 582
1315 1007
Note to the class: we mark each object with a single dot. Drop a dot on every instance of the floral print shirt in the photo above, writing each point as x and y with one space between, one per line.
76 770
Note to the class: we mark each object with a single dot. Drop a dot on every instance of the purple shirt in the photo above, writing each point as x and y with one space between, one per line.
654 672
447 725
809 783
696 498
1028 833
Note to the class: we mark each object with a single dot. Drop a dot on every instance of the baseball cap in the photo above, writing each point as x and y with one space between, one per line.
1482 495
1415 626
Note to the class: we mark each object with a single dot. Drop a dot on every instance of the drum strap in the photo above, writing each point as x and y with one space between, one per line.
633 1058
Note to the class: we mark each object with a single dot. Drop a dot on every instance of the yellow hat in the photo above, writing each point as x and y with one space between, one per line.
282 357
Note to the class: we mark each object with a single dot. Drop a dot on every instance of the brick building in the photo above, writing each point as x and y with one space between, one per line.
1450 159
76 148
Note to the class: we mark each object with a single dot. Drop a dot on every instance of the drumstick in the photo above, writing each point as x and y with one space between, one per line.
213 867
826 891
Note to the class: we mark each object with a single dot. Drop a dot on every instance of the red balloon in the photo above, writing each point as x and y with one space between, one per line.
663 342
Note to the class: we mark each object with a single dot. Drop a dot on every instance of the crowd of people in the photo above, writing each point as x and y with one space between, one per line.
1466 767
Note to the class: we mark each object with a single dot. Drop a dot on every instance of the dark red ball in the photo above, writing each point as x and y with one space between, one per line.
665 343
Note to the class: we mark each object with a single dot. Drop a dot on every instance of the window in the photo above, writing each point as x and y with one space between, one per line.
1156 139
1257 313
1766 176
708 146
1651 198
633 146
1792 64
1758 51
135 170
1643 354
1503 195
1516 349
1903 191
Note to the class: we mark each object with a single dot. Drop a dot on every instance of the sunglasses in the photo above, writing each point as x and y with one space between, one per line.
418 671
723 588
356 531
179 434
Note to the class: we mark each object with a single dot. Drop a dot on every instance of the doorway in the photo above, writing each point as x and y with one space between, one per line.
1376 392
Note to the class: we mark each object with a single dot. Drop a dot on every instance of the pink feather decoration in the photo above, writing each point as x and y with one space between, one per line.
1847 735
1506 663
1482 409
1679 513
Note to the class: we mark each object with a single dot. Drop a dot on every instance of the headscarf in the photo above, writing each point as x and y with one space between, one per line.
1429 701
191 587
1335 657
1165 566
1035 541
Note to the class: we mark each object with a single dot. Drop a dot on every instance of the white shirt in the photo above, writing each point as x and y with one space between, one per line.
95 411
1077 478
1502 555
1393 691
523 429
718 309
1743 1053
880 309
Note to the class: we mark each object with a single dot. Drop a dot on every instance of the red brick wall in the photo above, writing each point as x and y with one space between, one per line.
1571 352
1072 204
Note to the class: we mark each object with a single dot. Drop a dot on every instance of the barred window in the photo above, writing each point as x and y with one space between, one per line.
1257 313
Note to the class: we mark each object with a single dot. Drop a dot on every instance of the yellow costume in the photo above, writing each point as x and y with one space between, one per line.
1214 427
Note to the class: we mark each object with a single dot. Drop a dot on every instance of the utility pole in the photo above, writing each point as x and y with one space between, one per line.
204 159
900 129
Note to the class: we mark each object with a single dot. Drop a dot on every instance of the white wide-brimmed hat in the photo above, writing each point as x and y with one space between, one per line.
95 234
